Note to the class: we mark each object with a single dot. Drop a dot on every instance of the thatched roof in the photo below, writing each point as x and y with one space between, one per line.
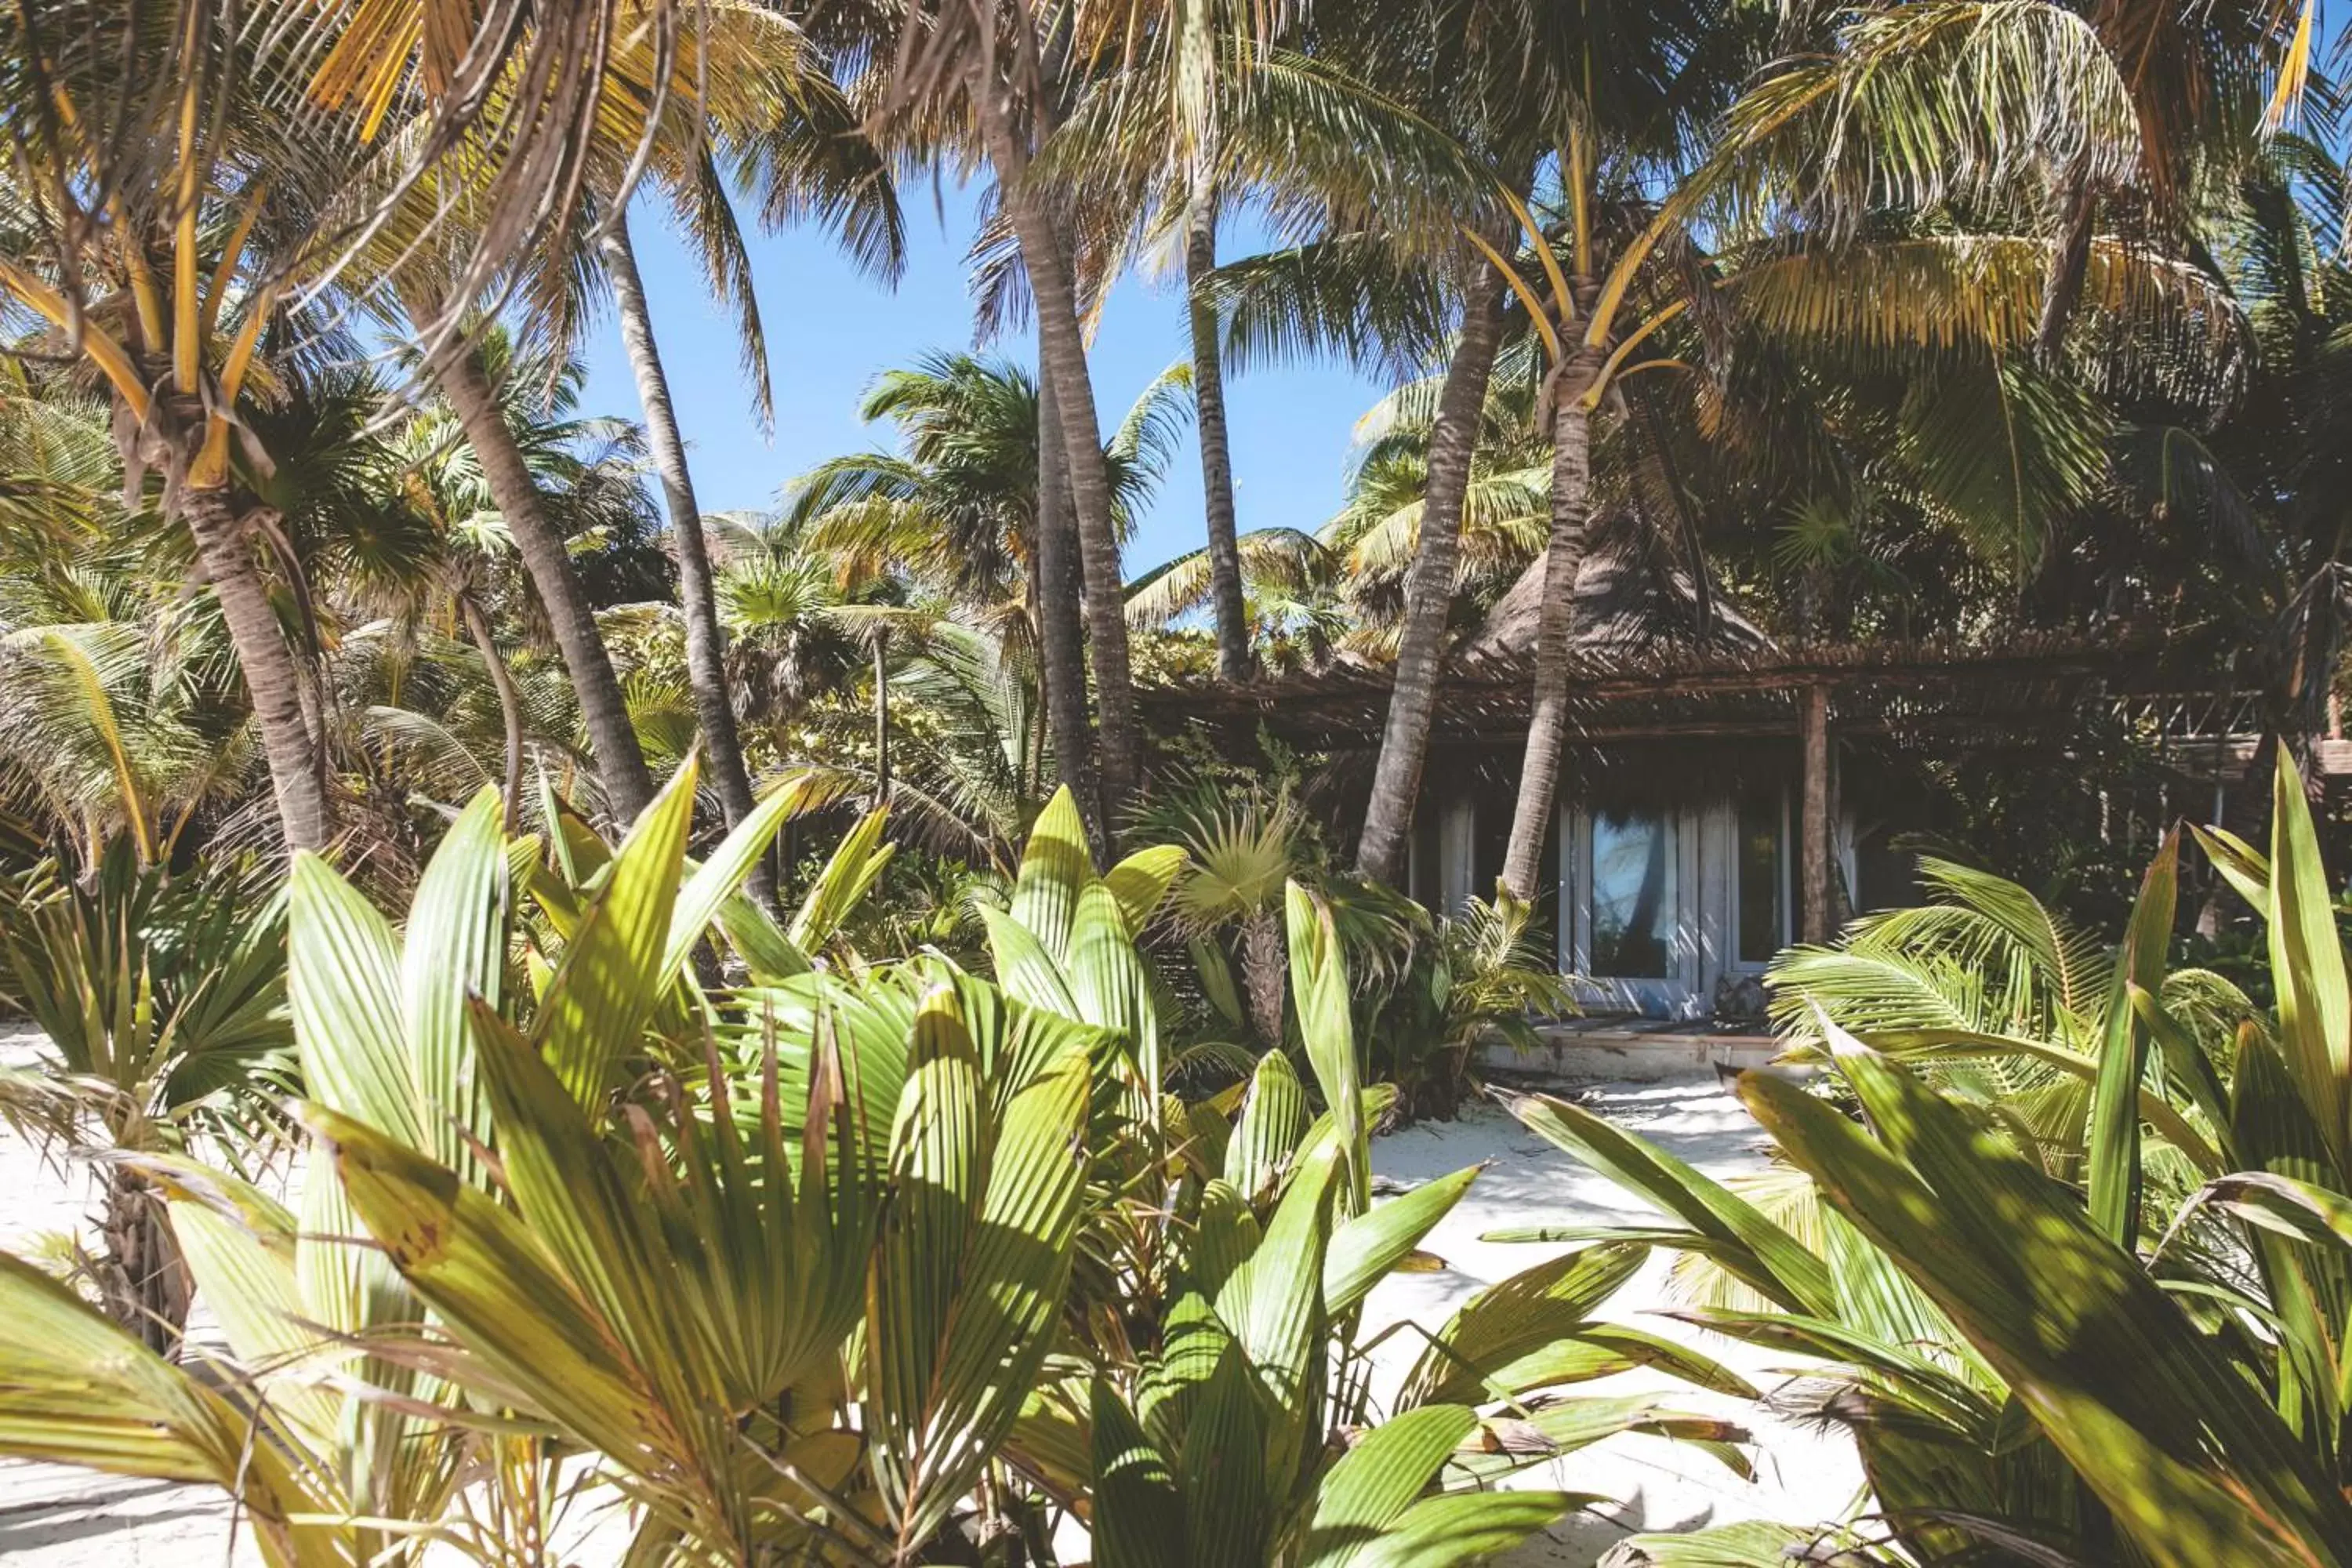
1656 659
2026 688
1630 595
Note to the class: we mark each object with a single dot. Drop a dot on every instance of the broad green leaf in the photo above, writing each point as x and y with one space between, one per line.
1194 1345
2314 1007
1023 967
1464 1527
75 1389
1586 1350
344 982
2188 1067
716 879
1366 1247
456 945
1902 1370
614 969
2242 866
848 873
2089 1344
1514 1318
1139 1510
1224 1235
975 1254
581 1205
1747 1244
2282 1204
1273 1305
1373 1484
2114 1138
240 1248
1142 881
1749 1544
2276 1132
1232 1467
1318 985
1958 1044
1265 1142
1055 867
764 948
493 1283
1107 981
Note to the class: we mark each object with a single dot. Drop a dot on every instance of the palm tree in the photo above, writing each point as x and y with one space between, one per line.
1503 512
475 379
705 641
963 512
763 101
187 171
163 998
1007 73
651 100
957 509
166 294
1242 851
1223 113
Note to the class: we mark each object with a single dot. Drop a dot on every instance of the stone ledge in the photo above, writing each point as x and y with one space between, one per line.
1637 1051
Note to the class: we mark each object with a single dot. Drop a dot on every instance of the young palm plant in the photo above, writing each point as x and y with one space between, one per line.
160 997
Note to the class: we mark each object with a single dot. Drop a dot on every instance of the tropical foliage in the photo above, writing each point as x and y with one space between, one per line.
2069 1277
775 1028
842 1262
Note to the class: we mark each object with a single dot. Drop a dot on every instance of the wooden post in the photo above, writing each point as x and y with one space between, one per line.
1814 830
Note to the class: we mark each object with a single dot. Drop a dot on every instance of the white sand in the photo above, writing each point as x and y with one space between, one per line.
1658 1485
54 1518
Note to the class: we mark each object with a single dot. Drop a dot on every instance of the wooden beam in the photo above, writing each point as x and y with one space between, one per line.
1813 828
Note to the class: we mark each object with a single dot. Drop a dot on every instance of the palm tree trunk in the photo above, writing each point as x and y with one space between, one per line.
144 1280
271 672
1571 506
478 627
881 719
1216 452
1265 966
1062 353
1061 635
620 762
1429 589
2062 288
706 643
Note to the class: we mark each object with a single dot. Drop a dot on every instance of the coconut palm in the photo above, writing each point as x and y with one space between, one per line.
119 704
956 511
161 999
963 513
165 296
1217 113
1004 74
195 177
764 102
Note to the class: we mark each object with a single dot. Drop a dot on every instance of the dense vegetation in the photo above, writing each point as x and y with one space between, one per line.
761 1028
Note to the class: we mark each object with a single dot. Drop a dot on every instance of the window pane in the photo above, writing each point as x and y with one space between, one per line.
1761 876
1633 896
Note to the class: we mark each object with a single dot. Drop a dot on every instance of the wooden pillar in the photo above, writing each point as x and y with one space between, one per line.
1813 827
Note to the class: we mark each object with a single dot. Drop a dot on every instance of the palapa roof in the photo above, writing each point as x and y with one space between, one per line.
1650 664
1629 596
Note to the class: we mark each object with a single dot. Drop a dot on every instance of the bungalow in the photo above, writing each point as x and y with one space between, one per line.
1726 793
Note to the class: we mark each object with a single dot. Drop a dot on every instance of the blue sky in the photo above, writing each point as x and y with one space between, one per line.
830 331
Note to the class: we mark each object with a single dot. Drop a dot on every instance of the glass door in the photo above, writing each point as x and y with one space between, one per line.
1760 872
1631 932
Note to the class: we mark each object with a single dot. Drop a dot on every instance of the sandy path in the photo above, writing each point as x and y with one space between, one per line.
54 1518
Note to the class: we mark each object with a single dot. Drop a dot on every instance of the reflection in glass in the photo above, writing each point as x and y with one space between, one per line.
1633 896
1761 876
